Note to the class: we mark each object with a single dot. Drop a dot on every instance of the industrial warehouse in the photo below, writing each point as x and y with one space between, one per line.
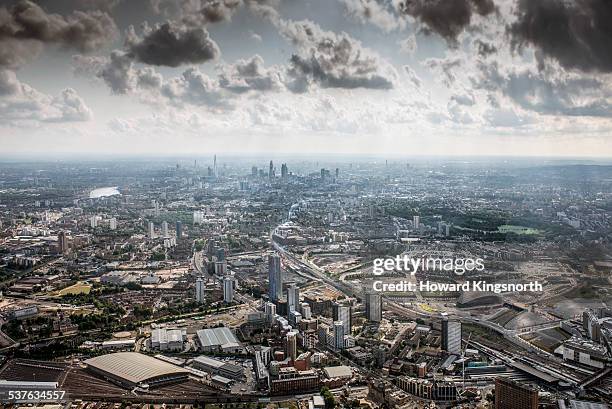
220 339
132 369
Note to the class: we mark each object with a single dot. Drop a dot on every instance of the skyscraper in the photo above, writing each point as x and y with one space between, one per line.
220 254
151 230
416 221
510 394
270 311
215 170
275 277
291 342
306 311
293 297
228 289
179 229
373 306
343 313
339 334
284 171
112 224
165 229
199 290
62 242
271 171
451 336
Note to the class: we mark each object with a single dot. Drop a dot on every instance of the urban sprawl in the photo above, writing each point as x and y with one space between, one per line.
252 283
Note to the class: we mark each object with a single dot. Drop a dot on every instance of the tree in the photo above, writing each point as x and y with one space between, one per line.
328 398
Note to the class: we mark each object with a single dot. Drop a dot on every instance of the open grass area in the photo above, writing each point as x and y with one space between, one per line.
508 228
75 289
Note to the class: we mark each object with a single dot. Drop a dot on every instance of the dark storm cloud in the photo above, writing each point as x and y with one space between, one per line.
25 24
332 60
577 33
172 45
444 17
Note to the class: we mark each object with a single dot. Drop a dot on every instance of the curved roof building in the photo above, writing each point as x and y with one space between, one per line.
472 299
133 369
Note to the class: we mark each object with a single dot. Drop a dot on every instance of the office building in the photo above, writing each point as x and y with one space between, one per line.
179 230
510 394
228 289
338 335
343 313
293 381
306 311
220 268
293 297
270 312
451 336
373 307
62 242
165 229
151 230
199 290
291 345
275 277
284 171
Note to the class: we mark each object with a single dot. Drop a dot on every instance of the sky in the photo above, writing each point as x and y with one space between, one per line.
401 77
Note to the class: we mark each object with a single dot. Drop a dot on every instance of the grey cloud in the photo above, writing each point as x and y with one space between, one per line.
446 18
379 13
445 66
88 66
196 13
119 73
332 60
26 23
577 33
549 92
408 45
15 53
20 103
196 88
458 114
172 45
247 75
485 49
412 75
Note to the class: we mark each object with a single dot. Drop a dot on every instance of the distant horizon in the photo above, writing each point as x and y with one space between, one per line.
96 156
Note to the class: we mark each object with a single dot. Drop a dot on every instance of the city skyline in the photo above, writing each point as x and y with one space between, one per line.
347 76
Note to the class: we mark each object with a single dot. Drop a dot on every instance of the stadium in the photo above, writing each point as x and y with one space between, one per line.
130 369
